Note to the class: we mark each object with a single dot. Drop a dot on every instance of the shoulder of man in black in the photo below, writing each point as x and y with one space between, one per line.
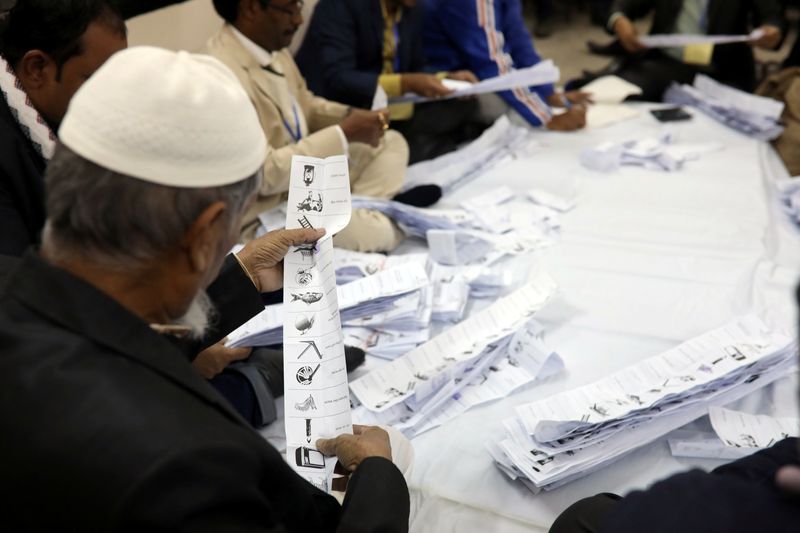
109 428
21 187
740 496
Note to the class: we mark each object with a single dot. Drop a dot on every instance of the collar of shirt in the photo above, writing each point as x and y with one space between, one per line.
263 57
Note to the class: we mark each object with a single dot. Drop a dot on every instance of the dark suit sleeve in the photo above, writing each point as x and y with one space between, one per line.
335 25
377 499
14 239
414 35
761 467
768 12
234 297
224 488
633 9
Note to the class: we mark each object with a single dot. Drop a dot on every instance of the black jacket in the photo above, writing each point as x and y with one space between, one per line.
21 187
342 55
740 496
733 63
106 427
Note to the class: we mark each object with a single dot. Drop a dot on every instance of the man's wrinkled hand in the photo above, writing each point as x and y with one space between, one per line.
367 441
463 75
216 358
423 84
262 258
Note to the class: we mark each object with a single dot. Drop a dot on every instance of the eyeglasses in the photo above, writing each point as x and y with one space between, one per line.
292 8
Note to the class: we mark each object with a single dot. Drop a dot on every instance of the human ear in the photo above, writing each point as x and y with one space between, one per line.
36 69
202 240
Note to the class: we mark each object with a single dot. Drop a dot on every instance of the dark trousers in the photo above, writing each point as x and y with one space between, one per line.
586 515
655 71
438 128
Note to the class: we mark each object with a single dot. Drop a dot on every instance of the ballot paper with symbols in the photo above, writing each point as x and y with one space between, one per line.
316 401
419 374
555 440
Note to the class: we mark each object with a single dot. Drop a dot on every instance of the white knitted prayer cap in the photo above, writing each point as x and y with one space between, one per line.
175 119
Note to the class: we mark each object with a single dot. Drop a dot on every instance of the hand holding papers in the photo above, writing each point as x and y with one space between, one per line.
560 438
316 401
675 40
542 73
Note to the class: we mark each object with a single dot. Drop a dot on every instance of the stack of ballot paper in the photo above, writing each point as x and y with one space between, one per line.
414 220
418 375
752 115
371 296
497 145
482 359
512 361
553 441
411 311
652 153
789 195
736 435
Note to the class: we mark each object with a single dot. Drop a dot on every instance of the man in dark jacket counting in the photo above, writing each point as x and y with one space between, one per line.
106 425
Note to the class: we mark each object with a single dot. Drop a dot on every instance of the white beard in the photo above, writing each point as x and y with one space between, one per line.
199 316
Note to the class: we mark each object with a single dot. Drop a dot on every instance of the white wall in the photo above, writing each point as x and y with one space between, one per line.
188 26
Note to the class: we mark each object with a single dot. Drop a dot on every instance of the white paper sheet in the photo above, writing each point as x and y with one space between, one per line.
316 401
677 40
542 73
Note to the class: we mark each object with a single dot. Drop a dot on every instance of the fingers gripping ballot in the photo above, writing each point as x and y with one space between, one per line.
366 441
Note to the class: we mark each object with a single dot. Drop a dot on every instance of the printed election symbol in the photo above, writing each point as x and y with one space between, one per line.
306 374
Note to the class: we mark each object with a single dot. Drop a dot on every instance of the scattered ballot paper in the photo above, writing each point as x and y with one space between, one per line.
651 153
569 435
736 435
496 146
361 298
789 196
543 73
421 373
513 361
755 116
677 40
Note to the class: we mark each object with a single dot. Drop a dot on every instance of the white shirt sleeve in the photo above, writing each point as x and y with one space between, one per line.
345 143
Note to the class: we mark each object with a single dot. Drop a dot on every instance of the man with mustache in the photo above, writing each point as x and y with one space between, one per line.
253 44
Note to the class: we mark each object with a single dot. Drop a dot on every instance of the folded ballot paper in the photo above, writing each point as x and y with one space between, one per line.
789 196
515 360
365 297
555 440
543 73
756 116
496 146
422 372
736 435
660 153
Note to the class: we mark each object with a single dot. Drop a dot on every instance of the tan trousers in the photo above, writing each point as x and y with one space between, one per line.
377 172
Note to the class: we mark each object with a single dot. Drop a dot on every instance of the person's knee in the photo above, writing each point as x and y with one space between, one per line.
369 231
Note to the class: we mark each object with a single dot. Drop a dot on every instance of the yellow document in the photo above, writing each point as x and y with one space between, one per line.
698 54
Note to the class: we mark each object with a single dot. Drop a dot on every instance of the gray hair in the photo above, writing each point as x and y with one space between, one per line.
122 222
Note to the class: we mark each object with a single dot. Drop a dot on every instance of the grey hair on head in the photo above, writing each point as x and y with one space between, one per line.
121 222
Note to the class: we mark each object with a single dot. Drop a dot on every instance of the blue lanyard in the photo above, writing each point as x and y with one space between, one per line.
396 48
297 133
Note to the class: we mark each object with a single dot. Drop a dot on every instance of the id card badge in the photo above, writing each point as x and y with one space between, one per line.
698 54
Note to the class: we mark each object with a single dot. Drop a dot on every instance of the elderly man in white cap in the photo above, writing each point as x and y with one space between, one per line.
106 426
